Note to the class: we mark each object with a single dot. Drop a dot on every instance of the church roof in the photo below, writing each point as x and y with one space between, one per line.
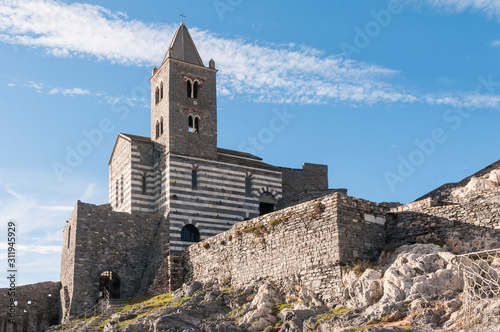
224 155
183 48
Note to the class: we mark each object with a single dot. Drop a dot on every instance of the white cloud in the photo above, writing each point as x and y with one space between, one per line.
90 192
70 92
11 84
495 43
490 8
249 71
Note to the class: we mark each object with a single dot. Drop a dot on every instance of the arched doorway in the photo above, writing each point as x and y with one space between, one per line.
110 281
267 203
190 233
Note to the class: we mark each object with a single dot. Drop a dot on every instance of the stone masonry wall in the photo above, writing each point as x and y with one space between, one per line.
472 225
106 241
310 177
304 243
37 307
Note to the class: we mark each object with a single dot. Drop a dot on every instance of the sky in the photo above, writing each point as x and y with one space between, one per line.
396 97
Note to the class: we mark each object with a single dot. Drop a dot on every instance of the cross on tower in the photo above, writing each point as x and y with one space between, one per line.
183 16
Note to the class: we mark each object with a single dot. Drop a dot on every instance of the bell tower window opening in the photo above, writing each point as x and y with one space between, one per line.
190 124
157 95
189 88
161 90
196 124
190 233
161 125
157 129
195 90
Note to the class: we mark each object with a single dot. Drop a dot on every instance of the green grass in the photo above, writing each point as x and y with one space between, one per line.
340 310
277 308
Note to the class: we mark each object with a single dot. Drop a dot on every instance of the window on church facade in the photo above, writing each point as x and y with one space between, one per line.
69 235
144 183
121 190
116 194
248 186
157 129
161 90
190 233
157 95
161 125
194 179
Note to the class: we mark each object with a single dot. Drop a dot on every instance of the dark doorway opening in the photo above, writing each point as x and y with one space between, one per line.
109 281
267 203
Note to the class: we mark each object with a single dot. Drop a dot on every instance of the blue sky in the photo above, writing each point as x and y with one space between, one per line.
397 97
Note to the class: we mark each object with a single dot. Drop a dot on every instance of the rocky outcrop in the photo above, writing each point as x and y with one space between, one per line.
413 288
487 181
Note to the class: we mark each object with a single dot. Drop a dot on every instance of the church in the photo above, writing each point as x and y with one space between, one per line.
171 189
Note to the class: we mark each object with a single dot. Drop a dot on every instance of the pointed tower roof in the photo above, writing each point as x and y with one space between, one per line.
182 47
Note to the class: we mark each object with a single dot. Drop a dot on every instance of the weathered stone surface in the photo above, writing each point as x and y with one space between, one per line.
36 307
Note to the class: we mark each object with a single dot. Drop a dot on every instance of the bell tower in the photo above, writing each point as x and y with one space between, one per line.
183 100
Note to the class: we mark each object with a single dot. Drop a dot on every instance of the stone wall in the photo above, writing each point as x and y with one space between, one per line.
310 177
106 241
305 196
472 224
37 307
307 243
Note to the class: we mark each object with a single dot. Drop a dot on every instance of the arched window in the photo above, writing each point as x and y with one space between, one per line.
121 190
161 90
189 88
109 281
161 125
248 185
195 90
196 124
190 124
144 183
194 178
157 95
190 233
157 129
267 203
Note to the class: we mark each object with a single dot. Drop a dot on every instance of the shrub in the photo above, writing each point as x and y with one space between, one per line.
222 243
318 208
206 245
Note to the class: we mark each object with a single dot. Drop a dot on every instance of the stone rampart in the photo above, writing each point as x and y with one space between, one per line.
105 240
306 243
36 307
472 224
